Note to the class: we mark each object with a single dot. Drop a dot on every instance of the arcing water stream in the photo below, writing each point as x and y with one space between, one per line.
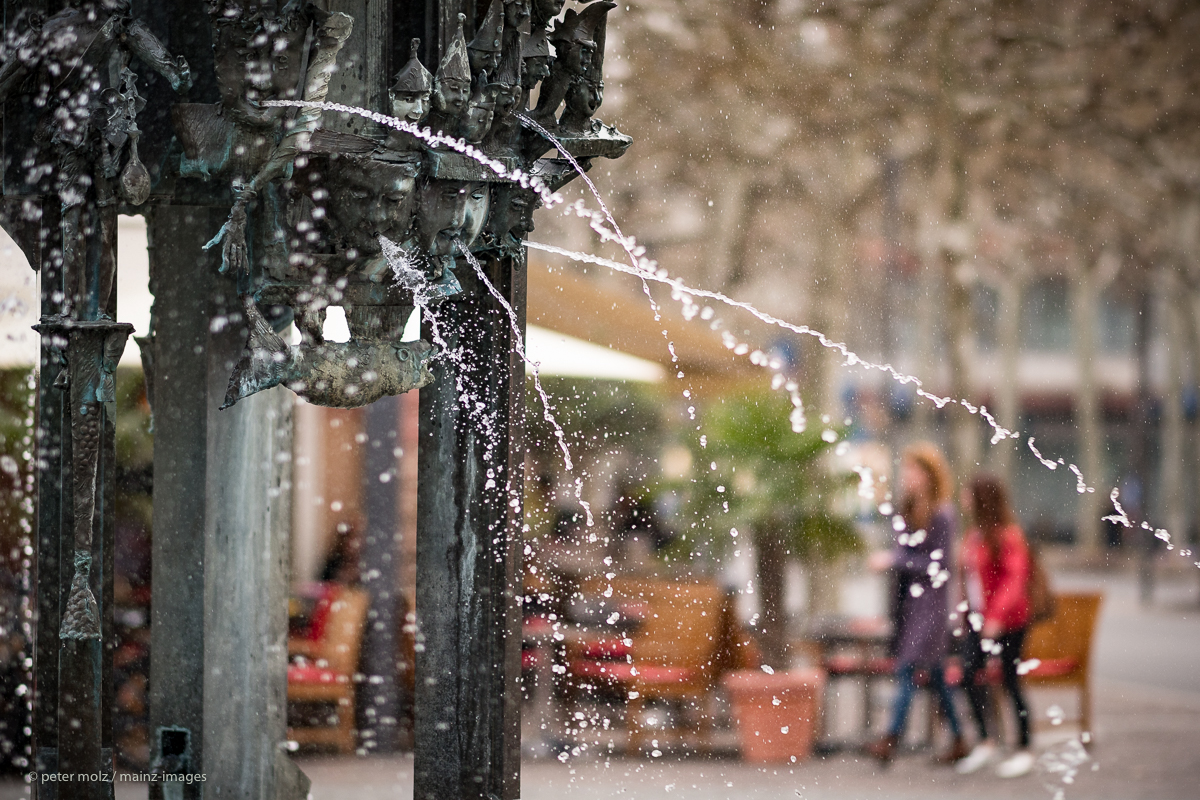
646 270
519 346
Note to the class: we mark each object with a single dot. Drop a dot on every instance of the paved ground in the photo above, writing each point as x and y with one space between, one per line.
1147 738
1147 748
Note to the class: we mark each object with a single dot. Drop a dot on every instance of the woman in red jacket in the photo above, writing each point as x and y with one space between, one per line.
995 574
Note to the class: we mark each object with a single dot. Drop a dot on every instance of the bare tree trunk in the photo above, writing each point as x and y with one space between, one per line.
955 246
964 426
827 306
926 368
1172 466
772 623
729 233
1085 297
1187 239
1008 402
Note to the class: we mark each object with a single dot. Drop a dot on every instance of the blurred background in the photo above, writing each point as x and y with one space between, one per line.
999 198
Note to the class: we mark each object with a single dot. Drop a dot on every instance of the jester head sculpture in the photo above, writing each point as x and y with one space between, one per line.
452 84
510 217
368 198
411 91
483 52
451 213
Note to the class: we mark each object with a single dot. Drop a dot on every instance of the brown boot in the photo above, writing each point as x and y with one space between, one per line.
958 751
882 748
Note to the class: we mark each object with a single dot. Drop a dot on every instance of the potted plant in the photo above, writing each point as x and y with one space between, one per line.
753 473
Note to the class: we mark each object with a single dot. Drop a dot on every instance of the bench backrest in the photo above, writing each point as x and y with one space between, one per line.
683 626
1068 634
339 647
682 623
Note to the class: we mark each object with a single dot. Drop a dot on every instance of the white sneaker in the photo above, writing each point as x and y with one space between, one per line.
983 754
1016 765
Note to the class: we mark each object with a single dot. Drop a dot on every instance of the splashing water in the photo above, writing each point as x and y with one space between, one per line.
519 346
1060 765
646 269
18 473
528 122
1119 518
410 276
406 272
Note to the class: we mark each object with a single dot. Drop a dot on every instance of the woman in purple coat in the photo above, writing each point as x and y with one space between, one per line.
920 562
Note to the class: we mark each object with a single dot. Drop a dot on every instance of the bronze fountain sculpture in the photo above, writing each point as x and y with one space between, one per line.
379 222
356 192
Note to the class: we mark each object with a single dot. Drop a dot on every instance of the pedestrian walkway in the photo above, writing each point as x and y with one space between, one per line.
1147 714
1145 749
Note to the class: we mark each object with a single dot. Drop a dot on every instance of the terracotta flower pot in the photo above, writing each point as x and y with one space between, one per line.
777 715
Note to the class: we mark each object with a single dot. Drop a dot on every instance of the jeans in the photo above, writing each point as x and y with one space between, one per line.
907 685
974 659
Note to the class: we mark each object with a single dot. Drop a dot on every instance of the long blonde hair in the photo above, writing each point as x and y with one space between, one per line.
929 458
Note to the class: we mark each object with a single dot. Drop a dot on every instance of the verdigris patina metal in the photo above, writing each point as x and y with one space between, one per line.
483 52
77 64
304 216
337 374
89 351
411 99
332 200
71 75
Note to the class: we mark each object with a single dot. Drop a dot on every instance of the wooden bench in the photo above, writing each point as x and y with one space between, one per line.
325 673
1057 653
675 653
1062 646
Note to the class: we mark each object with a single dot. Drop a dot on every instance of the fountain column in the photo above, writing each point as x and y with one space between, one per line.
468 725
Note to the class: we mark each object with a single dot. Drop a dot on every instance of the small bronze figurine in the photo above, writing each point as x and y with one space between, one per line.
516 15
410 99
544 12
509 99
536 57
452 85
586 92
480 111
310 84
573 45
484 50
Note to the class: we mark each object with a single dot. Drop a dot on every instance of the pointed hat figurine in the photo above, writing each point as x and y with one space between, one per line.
455 65
592 22
567 29
536 45
491 31
413 78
